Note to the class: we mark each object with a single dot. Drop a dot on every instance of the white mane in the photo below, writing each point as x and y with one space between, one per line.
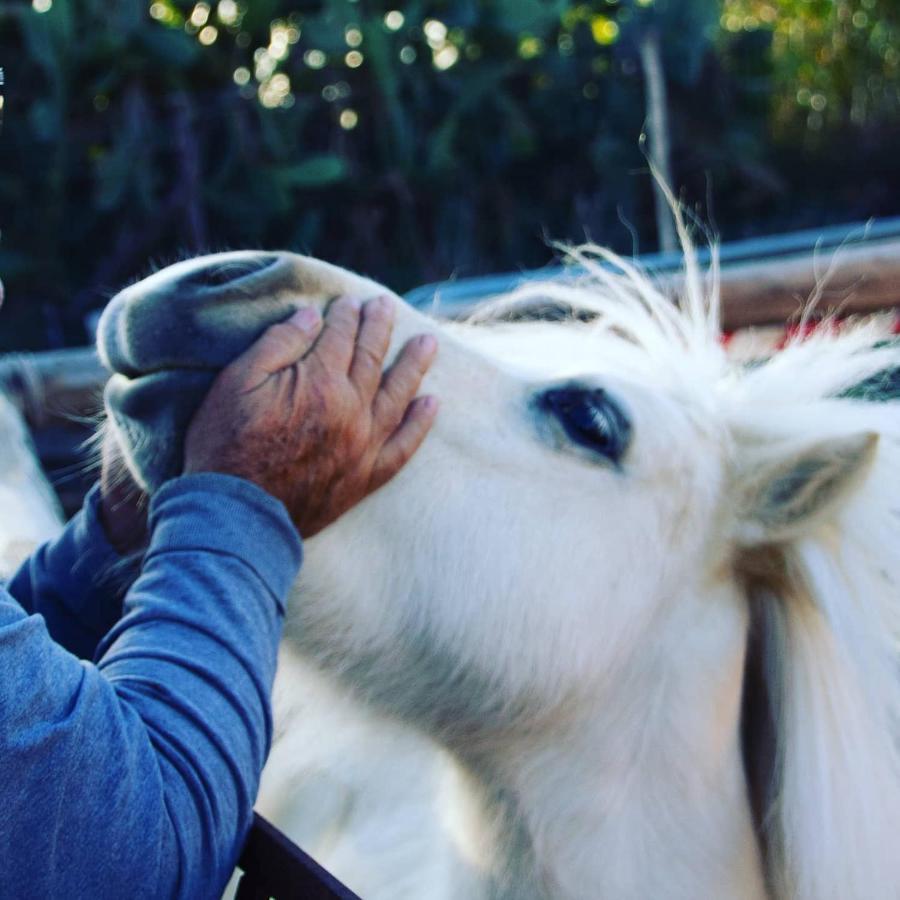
29 510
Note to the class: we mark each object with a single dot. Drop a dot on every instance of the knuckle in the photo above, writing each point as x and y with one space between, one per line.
331 388
283 335
370 358
412 364
343 312
402 387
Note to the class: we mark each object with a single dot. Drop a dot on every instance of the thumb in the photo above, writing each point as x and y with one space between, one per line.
284 344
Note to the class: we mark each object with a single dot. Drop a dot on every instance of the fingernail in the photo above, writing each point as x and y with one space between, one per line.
306 318
430 403
428 343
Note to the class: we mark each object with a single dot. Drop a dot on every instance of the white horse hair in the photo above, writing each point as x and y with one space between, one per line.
29 511
570 624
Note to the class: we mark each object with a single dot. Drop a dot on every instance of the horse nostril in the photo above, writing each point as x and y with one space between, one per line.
219 274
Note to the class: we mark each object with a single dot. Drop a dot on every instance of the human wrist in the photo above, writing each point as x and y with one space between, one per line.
213 511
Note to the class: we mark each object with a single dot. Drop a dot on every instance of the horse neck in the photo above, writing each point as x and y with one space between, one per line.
642 792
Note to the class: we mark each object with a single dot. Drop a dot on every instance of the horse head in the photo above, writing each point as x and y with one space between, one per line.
559 586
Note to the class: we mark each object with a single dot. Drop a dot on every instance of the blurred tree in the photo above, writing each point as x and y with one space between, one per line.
419 140
835 63
671 37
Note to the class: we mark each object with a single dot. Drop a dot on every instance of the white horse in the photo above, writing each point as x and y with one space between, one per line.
560 589
29 510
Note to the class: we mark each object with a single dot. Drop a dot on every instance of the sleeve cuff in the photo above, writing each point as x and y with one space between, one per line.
218 513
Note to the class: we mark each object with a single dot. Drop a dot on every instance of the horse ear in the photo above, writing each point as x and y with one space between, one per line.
788 488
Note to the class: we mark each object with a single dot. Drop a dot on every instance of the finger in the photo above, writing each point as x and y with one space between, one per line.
401 382
372 344
334 349
403 443
282 345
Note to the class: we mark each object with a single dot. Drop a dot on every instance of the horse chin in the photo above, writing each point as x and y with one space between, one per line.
150 415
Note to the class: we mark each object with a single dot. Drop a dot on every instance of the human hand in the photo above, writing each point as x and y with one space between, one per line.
306 414
123 505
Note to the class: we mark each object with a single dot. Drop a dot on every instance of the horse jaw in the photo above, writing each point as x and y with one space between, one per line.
566 782
660 807
634 798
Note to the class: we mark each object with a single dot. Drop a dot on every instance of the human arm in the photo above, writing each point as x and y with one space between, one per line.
76 582
135 777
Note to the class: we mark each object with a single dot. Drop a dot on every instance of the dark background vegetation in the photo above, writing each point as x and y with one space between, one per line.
418 141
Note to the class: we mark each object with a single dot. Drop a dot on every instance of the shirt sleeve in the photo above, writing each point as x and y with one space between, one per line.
135 776
76 582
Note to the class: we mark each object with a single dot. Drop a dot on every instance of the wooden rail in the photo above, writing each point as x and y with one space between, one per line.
58 385
855 278
59 394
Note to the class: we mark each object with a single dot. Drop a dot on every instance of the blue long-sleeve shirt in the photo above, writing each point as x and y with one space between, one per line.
134 775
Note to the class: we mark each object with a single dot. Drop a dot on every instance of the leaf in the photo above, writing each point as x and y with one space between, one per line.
258 15
397 145
533 16
313 172
480 85
166 48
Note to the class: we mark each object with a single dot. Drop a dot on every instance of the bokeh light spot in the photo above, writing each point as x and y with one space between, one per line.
200 15
435 33
446 57
604 30
227 12
530 46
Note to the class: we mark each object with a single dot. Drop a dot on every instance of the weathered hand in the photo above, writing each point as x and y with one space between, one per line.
310 418
123 505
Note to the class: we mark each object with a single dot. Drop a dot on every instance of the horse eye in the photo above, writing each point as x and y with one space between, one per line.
590 418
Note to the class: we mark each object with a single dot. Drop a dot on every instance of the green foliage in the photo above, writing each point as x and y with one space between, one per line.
316 171
835 63
418 141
